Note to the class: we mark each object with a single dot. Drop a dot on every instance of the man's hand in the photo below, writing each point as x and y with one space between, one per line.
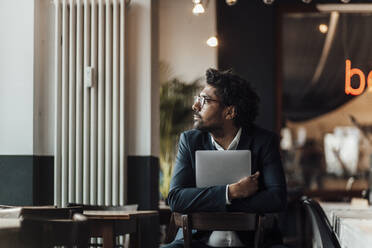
245 187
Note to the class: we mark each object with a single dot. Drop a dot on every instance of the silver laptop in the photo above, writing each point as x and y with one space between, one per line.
221 167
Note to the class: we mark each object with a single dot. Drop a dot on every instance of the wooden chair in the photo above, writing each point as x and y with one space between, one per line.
222 221
322 230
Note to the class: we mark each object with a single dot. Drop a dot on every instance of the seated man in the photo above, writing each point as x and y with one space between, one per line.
223 119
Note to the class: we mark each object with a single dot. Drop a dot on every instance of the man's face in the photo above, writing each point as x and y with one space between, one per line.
209 116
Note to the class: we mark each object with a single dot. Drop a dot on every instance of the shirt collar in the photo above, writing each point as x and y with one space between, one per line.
233 145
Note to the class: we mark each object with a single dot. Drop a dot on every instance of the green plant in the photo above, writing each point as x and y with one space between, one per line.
176 98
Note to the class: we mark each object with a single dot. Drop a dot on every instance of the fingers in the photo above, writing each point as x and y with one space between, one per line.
255 175
245 186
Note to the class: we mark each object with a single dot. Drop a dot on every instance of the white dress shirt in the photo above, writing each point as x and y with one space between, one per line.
226 238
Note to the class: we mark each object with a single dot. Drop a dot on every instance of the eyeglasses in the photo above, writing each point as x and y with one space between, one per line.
201 100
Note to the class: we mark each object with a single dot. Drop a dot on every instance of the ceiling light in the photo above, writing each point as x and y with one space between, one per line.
268 1
196 1
212 41
323 28
198 9
345 1
231 2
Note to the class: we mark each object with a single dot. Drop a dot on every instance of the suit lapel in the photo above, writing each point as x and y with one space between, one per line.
207 142
245 139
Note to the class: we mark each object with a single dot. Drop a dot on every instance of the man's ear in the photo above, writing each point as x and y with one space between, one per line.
230 112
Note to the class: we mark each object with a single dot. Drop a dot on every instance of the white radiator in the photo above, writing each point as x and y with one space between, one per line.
89 102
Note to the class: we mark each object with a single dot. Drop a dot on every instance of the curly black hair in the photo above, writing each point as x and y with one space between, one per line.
235 91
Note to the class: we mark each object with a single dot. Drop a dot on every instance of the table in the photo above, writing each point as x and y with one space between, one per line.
110 223
356 233
352 224
331 209
31 233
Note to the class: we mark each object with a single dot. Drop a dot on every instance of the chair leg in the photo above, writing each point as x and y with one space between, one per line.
108 236
172 230
186 228
258 236
134 238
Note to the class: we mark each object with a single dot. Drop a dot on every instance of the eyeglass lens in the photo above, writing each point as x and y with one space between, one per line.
199 99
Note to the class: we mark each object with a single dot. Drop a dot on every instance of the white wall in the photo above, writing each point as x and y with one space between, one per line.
16 77
142 98
26 77
183 36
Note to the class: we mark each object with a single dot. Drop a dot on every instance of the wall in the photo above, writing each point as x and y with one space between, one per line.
16 77
27 95
20 80
183 36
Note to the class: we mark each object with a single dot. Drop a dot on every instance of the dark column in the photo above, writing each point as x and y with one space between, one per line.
143 189
246 34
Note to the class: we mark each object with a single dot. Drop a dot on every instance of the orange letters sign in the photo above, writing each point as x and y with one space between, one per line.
349 73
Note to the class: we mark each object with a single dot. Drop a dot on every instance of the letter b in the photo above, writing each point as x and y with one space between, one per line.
349 73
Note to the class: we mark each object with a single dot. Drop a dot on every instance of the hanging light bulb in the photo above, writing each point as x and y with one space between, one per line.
198 9
345 1
231 2
306 1
212 41
323 28
268 1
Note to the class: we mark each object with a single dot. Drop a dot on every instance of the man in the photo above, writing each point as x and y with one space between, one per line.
223 119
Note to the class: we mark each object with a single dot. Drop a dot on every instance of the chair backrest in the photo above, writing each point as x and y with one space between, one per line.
207 221
220 221
323 233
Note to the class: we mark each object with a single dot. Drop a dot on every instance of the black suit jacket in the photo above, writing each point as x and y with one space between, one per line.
184 197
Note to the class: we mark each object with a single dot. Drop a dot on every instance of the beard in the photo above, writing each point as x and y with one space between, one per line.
199 124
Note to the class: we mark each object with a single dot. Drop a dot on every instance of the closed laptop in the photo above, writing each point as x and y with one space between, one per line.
221 167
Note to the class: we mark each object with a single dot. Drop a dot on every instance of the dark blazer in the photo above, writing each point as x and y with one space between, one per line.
184 197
